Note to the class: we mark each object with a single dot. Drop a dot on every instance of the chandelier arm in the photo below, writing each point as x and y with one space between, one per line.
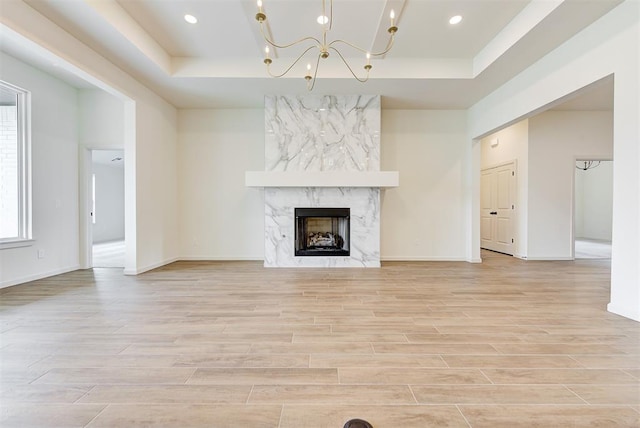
315 73
275 45
361 80
291 66
387 49
330 14
588 165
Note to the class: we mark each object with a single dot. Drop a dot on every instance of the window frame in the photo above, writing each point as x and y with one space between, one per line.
23 114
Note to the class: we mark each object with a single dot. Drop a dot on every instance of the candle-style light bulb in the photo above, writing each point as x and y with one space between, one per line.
368 64
308 77
392 15
259 5
267 60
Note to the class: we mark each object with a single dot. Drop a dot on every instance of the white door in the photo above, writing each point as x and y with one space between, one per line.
497 206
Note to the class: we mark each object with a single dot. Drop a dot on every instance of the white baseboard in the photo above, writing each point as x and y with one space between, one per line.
190 259
150 267
631 313
221 259
37 276
550 259
423 259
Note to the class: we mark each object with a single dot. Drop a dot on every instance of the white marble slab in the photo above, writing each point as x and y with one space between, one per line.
322 133
280 225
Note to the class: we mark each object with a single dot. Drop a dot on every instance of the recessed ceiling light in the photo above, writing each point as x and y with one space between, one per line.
190 19
455 20
322 19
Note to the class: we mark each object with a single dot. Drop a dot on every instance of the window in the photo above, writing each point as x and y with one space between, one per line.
15 175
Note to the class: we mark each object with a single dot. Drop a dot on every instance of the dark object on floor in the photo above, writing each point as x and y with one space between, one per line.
357 423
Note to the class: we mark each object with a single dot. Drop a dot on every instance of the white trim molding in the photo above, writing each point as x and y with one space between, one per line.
380 179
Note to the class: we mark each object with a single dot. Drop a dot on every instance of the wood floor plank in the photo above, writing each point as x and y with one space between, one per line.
116 375
494 394
608 394
263 376
550 416
187 416
331 394
413 376
48 415
563 376
171 394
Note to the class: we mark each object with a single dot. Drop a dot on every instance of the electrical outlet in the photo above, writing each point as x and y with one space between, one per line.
41 254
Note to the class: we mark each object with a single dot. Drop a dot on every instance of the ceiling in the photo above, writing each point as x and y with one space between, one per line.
218 62
111 158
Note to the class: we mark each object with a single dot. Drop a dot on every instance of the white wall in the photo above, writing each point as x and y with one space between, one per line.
513 144
156 177
54 140
609 46
594 202
556 140
424 218
101 124
109 212
220 218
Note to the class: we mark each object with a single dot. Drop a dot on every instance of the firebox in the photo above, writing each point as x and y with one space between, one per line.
322 232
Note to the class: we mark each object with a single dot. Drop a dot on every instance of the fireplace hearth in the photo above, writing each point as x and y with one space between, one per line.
322 232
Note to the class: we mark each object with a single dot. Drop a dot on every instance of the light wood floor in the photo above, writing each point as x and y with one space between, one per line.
108 254
506 343
592 249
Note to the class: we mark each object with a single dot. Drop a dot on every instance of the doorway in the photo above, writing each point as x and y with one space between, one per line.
497 207
107 208
593 209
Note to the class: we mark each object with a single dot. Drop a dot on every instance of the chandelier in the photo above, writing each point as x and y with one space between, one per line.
322 45
585 165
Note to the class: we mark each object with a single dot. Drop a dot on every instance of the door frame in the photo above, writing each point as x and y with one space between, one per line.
85 205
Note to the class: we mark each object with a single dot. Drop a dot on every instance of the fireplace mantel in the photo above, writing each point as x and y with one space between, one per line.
379 179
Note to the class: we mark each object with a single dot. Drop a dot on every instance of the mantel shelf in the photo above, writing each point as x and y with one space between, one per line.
381 179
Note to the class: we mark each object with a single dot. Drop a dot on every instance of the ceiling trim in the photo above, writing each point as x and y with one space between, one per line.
533 14
400 68
122 22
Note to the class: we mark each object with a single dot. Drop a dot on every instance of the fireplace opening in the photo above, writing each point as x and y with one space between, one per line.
322 231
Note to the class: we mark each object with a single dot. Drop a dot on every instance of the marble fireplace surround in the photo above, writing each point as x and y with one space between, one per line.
322 152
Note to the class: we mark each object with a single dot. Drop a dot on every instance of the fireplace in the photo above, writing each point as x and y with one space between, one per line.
322 232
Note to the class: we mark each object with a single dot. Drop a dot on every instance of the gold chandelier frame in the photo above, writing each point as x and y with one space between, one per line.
322 45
